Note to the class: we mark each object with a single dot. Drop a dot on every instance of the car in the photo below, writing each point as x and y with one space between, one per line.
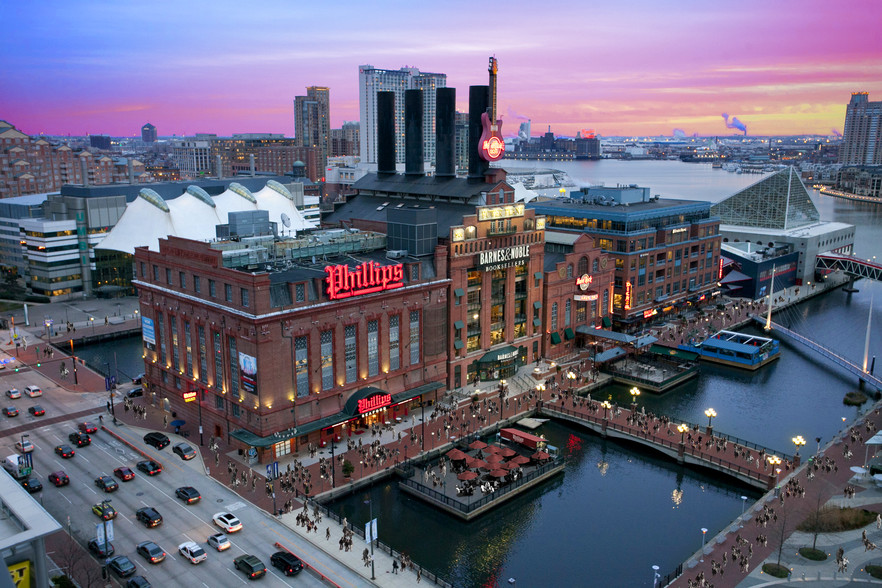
13 393
65 451
157 440
123 473
87 427
193 552
289 563
80 439
100 548
10 411
32 485
121 566
188 494
219 541
137 379
135 393
184 451
138 582
36 410
227 521
250 565
150 551
24 445
104 510
149 516
59 478
33 391
150 467
106 483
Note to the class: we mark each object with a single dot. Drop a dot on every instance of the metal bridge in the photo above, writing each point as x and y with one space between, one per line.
834 357
850 264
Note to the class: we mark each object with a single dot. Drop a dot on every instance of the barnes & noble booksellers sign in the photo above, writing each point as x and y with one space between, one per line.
503 258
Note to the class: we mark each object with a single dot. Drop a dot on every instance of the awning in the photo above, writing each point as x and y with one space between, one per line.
671 352
537 305
603 334
501 354
457 344
555 338
569 334
607 322
459 292
537 322
459 325
538 275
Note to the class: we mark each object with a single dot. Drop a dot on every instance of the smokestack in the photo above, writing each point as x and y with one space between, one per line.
220 168
385 132
84 165
413 133
445 133
131 166
251 161
479 101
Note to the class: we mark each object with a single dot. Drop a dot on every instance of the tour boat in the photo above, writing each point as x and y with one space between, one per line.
736 349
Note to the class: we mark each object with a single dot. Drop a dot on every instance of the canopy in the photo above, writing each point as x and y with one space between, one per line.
467 476
540 455
477 445
498 473
507 452
493 458
875 439
519 459
456 455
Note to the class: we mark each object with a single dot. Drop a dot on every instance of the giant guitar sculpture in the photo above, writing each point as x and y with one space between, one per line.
491 146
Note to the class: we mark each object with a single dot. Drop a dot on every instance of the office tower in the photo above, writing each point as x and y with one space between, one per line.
462 142
312 122
372 80
148 133
862 140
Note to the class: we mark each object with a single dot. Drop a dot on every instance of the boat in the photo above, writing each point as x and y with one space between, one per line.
739 350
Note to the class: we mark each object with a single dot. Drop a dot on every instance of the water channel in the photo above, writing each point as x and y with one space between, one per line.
617 510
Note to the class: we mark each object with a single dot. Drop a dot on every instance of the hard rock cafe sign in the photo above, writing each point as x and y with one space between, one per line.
367 278
584 281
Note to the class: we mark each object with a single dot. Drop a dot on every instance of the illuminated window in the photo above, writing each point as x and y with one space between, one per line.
351 353
327 360
394 358
301 366
373 349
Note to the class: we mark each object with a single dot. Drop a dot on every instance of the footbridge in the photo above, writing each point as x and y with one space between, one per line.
852 265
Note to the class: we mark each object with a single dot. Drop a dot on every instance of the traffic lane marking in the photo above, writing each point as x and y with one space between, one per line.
236 575
324 569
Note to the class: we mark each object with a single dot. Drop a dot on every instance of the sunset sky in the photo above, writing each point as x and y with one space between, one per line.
624 67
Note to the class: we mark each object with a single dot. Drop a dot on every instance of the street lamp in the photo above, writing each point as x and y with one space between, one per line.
571 377
710 414
743 506
371 527
92 322
540 388
799 442
635 392
683 427
818 439
655 576
606 406
703 535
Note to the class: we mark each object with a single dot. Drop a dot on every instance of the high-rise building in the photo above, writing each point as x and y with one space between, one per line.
100 142
312 122
344 141
148 133
372 80
862 140
462 142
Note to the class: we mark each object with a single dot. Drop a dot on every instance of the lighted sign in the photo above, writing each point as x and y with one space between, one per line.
495 212
540 223
585 297
584 281
720 273
628 295
649 313
680 230
459 234
189 396
367 278
374 402
502 258
492 148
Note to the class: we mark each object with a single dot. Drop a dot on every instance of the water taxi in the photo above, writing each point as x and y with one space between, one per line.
736 349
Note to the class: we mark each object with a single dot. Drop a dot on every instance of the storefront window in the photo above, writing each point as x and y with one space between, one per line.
301 366
394 360
351 354
581 311
283 448
373 349
327 360
474 343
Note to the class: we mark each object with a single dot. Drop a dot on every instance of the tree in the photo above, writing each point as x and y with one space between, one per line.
348 468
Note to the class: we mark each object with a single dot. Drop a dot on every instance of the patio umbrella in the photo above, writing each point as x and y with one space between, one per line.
493 458
456 455
467 475
507 452
474 462
178 423
480 463
509 465
520 459
477 445
491 449
540 455
498 473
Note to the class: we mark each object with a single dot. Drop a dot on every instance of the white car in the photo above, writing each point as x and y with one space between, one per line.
13 393
219 541
227 521
193 552
24 446
33 391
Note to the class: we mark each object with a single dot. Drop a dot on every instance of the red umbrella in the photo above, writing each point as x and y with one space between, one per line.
476 463
456 455
493 458
509 465
491 449
477 445
507 452
540 455
498 473
520 459
468 476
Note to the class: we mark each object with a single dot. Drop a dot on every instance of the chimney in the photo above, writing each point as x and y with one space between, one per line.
386 132
445 132
220 168
251 161
413 133
131 165
84 165
479 101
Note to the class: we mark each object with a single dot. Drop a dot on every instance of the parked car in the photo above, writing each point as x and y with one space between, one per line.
151 552
250 565
36 410
32 485
219 541
80 439
87 427
192 552
65 451
184 451
137 379
150 467
104 511
188 494
13 393
289 563
138 582
59 478
149 516
33 391
227 521
24 445
123 473
121 566
10 411
157 440
135 393
106 483
100 548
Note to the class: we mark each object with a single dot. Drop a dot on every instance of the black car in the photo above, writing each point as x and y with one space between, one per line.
188 494
138 582
250 565
106 483
289 563
150 551
138 379
157 440
149 516
150 467
101 549
32 485
80 439
121 566
135 393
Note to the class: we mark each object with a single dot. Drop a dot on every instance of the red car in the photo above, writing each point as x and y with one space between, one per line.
124 474
59 478
87 427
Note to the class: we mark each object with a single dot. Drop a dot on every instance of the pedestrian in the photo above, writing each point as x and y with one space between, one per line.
164 420
394 566
419 575
328 533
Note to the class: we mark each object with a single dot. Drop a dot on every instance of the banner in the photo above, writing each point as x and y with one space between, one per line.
248 372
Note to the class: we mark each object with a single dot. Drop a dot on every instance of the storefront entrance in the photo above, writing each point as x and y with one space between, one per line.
501 363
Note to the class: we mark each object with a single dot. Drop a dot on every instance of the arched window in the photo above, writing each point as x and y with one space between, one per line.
583 266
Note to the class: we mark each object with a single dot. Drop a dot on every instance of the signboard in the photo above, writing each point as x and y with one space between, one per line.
374 402
370 531
109 383
585 297
584 281
272 471
189 396
21 573
148 331
367 278
486 213
503 258
628 294
248 372
649 313
99 531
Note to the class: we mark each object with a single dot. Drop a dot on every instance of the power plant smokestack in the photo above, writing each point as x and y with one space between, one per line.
413 133
479 101
445 133
385 132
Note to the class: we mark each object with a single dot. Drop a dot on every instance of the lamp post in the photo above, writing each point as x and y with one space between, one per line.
799 442
703 535
92 322
743 505
371 528
655 576
635 392
818 439
683 427
571 377
710 414
423 419
333 461
540 388
606 406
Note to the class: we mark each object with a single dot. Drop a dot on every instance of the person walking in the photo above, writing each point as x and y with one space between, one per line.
394 566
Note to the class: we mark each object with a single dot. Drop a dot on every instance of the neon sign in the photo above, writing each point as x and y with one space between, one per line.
492 148
584 281
189 396
367 278
374 402
720 274
628 295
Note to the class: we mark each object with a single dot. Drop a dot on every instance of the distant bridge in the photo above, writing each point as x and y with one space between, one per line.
850 264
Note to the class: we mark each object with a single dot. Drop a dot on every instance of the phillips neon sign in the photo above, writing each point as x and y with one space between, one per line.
374 402
189 396
367 278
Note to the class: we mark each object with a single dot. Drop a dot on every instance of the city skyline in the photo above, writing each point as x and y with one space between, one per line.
637 68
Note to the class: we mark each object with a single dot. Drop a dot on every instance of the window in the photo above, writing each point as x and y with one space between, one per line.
197 286
414 337
327 360
218 362
235 410
582 311
168 278
594 266
176 362
570 271
218 402
414 272
228 292
212 290
160 333
188 348
554 316
373 349
394 359
583 266
605 302
245 300
155 274
299 293
143 272
351 349
182 279
234 368
568 308
301 366
203 361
